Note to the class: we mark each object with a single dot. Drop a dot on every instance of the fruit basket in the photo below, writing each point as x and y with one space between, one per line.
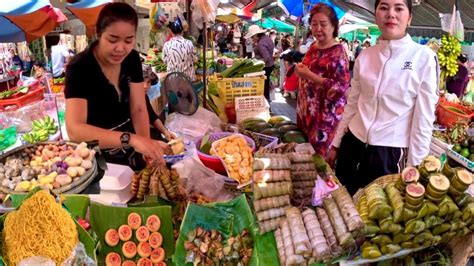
30 166
449 114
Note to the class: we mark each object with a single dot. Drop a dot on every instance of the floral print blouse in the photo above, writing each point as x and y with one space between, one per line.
320 107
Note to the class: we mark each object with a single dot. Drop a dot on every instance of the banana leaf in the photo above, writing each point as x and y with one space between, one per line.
230 218
105 217
77 206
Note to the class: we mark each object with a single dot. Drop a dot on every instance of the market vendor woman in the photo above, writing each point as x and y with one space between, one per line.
105 99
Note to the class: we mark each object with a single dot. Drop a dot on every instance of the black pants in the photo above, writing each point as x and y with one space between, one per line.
266 89
358 163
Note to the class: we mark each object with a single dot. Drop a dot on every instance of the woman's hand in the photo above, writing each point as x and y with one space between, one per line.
152 150
170 135
302 71
331 156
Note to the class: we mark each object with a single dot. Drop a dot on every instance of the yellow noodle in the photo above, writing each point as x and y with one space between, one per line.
40 227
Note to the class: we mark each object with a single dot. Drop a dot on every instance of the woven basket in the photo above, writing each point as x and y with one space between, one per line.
382 181
463 249
73 188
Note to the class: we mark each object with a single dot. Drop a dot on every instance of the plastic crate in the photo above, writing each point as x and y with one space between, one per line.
230 88
253 106
34 95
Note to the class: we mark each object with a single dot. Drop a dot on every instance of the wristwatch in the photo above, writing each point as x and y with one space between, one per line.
125 140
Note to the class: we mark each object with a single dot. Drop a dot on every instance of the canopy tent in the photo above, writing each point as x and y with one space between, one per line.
88 11
292 8
27 20
280 26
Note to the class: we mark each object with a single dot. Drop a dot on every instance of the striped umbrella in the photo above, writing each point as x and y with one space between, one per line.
87 11
27 20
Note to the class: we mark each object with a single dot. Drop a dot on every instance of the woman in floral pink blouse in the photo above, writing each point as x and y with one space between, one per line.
325 78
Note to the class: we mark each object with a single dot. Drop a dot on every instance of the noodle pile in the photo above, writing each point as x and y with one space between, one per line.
40 227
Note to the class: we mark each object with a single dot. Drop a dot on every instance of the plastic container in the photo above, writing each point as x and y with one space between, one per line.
252 106
213 162
230 88
448 117
116 183
32 96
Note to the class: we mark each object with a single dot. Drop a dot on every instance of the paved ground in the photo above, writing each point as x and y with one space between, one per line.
283 106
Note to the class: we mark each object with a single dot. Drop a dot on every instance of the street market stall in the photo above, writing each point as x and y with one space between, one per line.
240 186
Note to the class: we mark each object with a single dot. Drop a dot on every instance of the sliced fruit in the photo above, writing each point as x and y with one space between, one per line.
113 259
161 263
439 182
144 249
153 223
410 174
128 263
432 164
156 239
415 190
144 262
134 220
129 249
125 232
142 234
157 255
112 237
464 176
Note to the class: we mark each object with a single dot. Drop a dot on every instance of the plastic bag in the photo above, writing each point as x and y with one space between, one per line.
79 257
204 11
322 189
37 260
194 126
199 179
23 117
452 23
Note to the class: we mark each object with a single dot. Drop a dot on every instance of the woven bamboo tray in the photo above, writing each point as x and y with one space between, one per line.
382 181
463 249
75 187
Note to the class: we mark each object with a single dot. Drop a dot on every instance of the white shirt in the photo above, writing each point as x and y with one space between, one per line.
59 53
393 97
178 55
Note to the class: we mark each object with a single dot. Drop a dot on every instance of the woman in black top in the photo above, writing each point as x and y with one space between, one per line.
105 99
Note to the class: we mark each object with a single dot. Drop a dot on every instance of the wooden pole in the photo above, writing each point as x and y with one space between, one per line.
204 72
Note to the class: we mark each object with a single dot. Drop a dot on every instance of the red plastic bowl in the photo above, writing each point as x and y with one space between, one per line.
213 162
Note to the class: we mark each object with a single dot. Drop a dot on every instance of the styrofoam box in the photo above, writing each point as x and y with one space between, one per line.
115 185
116 177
